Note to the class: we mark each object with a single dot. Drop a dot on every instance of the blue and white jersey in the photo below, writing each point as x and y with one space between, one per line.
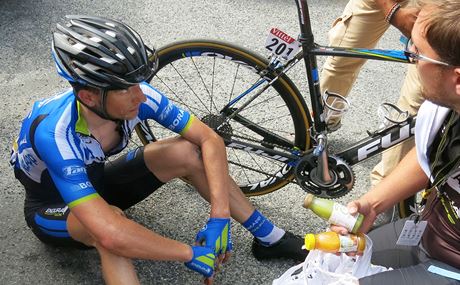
54 138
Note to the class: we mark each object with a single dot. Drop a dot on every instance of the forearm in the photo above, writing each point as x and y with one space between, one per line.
132 240
386 5
405 180
402 18
110 229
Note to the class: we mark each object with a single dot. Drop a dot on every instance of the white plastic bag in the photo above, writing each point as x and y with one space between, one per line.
320 268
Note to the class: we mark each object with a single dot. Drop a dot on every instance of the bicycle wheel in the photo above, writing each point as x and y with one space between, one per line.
203 76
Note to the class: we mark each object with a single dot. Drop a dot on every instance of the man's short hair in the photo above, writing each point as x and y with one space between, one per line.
443 29
78 87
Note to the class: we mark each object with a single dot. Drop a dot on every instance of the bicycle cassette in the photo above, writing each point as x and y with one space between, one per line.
343 177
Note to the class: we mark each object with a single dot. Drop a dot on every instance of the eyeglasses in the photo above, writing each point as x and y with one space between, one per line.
414 57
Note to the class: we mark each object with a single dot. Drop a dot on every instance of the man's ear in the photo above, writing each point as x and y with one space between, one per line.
88 97
457 80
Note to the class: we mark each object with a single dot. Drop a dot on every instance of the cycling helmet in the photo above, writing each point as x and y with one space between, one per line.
101 53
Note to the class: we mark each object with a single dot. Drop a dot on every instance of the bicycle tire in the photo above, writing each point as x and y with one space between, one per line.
203 92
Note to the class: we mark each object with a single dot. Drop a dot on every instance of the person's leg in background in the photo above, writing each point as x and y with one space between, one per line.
361 24
410 100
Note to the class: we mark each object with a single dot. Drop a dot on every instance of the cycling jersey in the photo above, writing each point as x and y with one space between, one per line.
54 142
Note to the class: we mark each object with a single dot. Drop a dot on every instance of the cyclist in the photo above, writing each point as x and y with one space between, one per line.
433 163
361 25
75 197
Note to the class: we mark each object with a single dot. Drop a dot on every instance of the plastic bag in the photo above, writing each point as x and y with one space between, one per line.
326 268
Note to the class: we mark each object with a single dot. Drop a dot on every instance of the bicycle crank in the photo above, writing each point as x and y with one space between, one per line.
343 177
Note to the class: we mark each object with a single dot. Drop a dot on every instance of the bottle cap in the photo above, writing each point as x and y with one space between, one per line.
309 241
308 200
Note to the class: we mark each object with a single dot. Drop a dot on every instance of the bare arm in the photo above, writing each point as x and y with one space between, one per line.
215 163
403 19
125 237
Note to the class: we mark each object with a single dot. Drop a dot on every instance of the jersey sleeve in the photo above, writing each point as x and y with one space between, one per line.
159 108
65 165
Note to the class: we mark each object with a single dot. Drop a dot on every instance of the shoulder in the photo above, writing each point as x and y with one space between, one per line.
54 119
151 92
429 119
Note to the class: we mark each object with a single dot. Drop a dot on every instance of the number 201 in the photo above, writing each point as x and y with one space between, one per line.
280 48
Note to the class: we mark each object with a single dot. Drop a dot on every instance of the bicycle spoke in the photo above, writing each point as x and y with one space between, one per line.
191 89
205 78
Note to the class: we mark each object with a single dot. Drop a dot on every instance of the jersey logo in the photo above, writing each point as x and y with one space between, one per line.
73 170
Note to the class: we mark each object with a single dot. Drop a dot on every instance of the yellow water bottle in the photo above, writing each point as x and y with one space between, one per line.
333 242
334 213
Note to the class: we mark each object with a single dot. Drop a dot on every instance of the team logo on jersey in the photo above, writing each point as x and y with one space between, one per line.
166 111
73 170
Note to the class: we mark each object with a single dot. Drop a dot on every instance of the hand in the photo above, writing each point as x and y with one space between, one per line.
359 206
216 236
404 20
203 262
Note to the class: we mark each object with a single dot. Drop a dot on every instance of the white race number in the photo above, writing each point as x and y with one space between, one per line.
281 44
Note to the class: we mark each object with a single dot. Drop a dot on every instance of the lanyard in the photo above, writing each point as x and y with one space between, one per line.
445 172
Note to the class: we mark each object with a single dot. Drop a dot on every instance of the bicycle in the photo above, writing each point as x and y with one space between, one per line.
265 151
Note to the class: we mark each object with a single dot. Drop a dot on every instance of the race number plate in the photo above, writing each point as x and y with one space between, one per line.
281 44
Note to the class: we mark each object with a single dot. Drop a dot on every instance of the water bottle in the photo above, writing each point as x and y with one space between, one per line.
334 213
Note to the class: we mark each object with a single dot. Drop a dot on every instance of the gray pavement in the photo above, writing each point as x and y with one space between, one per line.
27 74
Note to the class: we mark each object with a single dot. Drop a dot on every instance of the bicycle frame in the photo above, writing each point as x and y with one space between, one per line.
374 144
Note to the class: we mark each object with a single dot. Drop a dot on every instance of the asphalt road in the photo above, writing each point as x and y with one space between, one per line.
27 74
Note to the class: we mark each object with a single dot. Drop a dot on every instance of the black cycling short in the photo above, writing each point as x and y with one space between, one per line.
122 182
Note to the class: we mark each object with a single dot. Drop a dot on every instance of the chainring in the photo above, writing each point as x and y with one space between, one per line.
343 177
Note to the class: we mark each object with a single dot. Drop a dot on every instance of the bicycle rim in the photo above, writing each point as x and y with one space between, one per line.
203 76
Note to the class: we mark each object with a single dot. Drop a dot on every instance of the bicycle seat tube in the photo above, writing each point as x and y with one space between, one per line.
307 40
308 43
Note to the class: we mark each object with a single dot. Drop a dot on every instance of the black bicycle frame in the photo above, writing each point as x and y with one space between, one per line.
368 147
310 50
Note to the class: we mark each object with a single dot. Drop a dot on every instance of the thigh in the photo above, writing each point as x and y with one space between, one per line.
361 24
415 275
127 180
172 158
385 251
411 92
49 224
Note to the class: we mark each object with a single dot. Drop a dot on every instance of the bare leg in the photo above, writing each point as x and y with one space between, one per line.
115 269
180 158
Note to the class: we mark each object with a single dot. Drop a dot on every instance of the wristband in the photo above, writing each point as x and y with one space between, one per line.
392 12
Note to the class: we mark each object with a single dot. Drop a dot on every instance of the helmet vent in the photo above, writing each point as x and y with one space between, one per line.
96 39
131 50
110 33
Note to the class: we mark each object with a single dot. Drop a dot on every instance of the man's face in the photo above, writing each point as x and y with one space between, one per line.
124 104
434 77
